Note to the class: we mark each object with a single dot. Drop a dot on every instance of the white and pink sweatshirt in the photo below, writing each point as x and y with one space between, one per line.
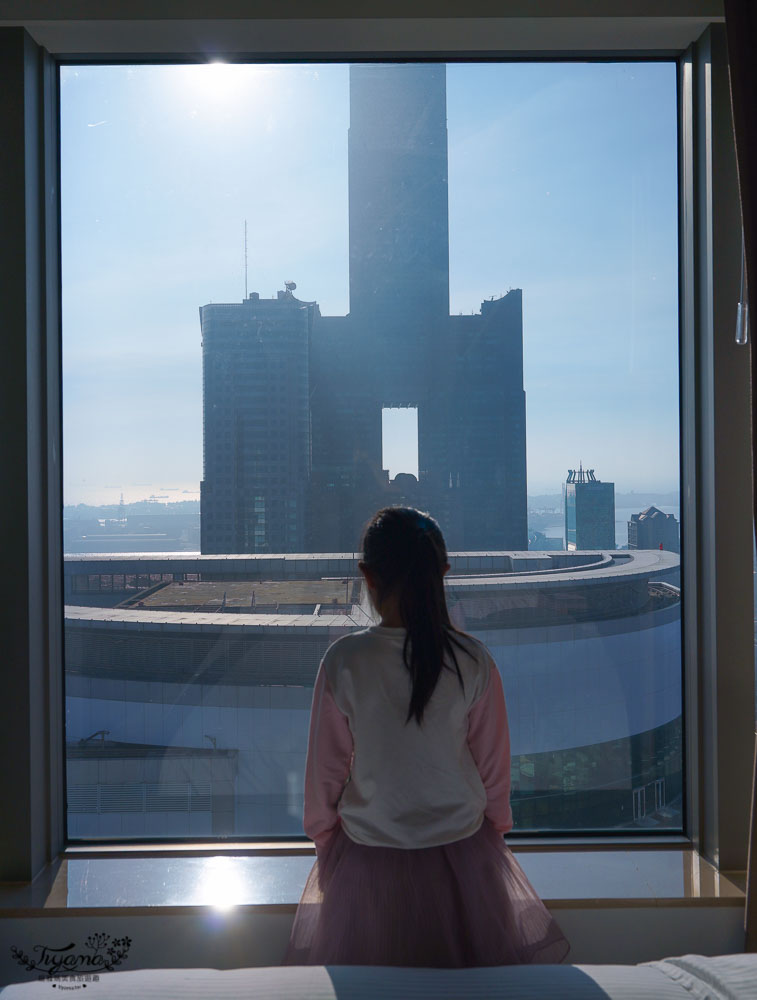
392 784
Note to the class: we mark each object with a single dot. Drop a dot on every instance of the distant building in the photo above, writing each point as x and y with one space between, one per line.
293 400
256 423
539 542
652 529
589 511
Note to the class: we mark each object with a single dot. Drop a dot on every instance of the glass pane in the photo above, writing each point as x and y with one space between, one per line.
262 266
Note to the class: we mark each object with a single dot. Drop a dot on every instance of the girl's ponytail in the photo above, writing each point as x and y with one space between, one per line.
405 550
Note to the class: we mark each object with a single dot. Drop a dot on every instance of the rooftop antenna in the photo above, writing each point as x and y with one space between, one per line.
245 258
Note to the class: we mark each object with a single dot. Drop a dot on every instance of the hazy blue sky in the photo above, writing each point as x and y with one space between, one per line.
562 182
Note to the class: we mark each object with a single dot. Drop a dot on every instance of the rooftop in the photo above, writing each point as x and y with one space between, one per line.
287 596
598 584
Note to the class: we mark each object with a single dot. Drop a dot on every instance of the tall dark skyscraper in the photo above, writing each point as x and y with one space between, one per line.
256 425
397 347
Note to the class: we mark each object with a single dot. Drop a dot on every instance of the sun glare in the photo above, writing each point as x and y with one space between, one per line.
221 82
219 885
220 78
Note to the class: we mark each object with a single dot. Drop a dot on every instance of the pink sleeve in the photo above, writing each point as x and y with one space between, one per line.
328 763
489 742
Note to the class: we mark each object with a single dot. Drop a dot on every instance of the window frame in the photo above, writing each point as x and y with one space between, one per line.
714 388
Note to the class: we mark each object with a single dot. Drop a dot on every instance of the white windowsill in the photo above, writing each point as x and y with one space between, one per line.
271 878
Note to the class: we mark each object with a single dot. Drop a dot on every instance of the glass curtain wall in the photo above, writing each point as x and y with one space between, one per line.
294 294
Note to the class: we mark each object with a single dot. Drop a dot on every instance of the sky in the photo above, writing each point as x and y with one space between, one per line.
562 182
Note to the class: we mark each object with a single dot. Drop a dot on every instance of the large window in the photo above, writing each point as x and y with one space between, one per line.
486 251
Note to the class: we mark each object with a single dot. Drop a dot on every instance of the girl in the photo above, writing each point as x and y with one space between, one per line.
407 783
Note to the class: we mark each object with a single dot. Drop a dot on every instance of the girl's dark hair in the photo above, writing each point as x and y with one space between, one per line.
404 550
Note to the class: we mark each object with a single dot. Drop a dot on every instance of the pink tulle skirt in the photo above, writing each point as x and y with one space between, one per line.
462 904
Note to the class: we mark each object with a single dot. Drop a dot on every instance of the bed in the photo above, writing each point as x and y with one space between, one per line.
690 977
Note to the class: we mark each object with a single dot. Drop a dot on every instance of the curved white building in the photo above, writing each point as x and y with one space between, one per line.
188 697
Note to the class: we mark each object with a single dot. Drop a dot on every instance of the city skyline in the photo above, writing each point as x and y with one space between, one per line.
599 293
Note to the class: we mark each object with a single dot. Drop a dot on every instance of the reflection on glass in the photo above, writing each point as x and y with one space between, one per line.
434 252
278 879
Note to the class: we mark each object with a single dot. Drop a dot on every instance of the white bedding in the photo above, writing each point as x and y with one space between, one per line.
691 977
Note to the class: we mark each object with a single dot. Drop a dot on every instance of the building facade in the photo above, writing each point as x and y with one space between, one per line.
653 529
397 347
256 424
589 511
188 716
